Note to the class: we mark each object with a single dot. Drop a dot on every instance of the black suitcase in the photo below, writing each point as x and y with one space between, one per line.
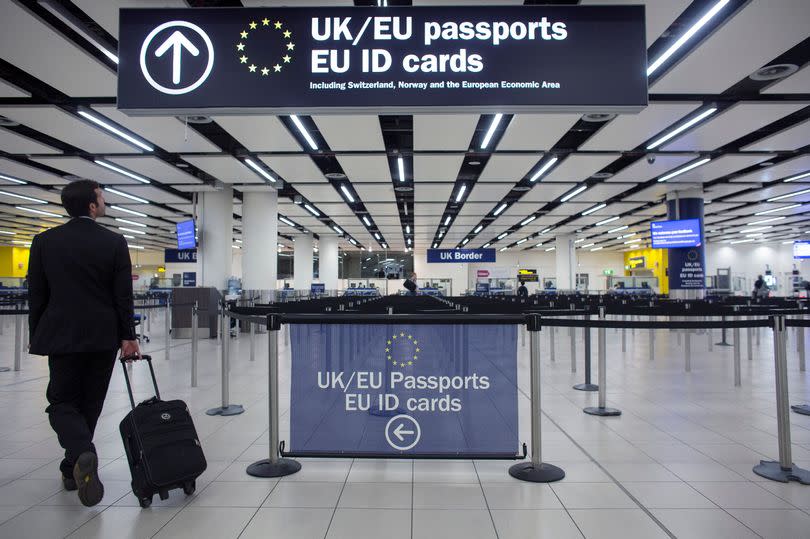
161 443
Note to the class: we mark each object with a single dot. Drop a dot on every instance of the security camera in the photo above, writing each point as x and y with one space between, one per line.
651 158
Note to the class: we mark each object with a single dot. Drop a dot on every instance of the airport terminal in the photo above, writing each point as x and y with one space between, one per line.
451 269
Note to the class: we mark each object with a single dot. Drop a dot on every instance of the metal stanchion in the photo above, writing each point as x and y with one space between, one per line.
749 335
148 320
784 470
167 327
195 322
252 341
802 362
536 471
588 386
523 338
757 332
551 342
227 408
737 377
709 334
624 335
687 351
602 409
723 334
17 342
652 340
274 466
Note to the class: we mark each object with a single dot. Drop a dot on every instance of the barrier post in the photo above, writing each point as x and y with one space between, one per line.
551 342
227 408
802 359
602 409
723 334
737 377
784 470
749 336
167 327
652 341
195 322
17 342
535 471
252 341
274 466
572 335
624 335
709 334
588 386
687 351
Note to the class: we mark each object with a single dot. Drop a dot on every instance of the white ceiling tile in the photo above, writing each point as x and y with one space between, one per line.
788 139
508 168
476 209
641 170
782 170
602 192
364 130
627 131
719 168
259 133
723 189
168 133
68 128
776 190
11 142
154 168
375 193
8 90
798 83
732 53
536 131
106 13
320 193
442 168
650 194
35 192
730 125
659 15
547 192
224 168
365 168
488 192
294 168
85 169
578 167
432 192
443 131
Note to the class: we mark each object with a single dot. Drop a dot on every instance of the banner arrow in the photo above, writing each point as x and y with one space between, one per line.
398 432
177 41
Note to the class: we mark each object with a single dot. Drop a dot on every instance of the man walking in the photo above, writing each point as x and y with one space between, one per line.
81 313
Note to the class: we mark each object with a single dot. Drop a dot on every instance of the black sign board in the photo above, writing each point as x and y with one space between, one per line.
299 60
527 275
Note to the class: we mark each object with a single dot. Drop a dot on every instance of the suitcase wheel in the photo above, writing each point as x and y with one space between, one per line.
190 487
145 502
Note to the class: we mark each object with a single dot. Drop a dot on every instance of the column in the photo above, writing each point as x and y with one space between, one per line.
328 261
687 265
566 260
303 262
259 240
215 211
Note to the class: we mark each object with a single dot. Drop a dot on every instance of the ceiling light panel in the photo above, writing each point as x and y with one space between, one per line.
798 83
627 131
488 192
365 168
224 168
365 132
259 133
536 131
86 169
577 168
11 142
509 168
443 131
783 170
719 167
546 192
295 168
376 192
788 139
167 132
436 168
642 171
155 168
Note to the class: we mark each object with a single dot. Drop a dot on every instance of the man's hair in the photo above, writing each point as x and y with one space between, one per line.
77 197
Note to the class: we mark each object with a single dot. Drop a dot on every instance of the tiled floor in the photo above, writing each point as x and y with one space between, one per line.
677 463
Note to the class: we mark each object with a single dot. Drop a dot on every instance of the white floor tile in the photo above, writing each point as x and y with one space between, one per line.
207 523
668 495
740 496
376 496
521 496
232 494
125 523
292 523
617 524
29 491
775 524
381 471
452 524
47 522
368 523
592 496
321 472
304 495
703 524
447 496
538 524
436 471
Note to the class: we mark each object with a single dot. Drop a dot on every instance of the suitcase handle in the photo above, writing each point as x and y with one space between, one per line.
148 359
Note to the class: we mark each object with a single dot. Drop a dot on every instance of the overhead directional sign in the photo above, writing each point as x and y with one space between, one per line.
460 255
498 58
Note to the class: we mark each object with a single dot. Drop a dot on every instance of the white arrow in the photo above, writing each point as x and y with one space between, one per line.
176 42
398 432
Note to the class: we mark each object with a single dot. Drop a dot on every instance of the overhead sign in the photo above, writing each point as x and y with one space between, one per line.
801 249
528 275
400 389
186 235
189 278
460 255
637 261
317 288
675 234
180 256
498 58
482 273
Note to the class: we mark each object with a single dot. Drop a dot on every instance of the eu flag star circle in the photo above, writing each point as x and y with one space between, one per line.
266 44
402 350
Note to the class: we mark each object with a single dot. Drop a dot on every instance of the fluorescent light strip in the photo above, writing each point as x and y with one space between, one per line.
365 220
466 241
127 222
757 229
385 246
352 241
539 244
543 169
763 221
20 242
500 209
705 114
502 249
140 248
573 193
755 235
478 229
121 171
112 129
580 240
126 195
606 221
797 177
441 233
527 221
401 167
789 195
252 164
627 235
551 249
12 179
337 229
409 241
346 192
6 233
460 193
546 230
681 170
312 210
613 230
303 131
588 245
126 210
23 197
235 246
502 236
447 221
742 241
632 241
287 222
38 212
597 249
127 236
593 209
491 131
132 230
686 36
378 237
767 212
435 245
524 240
485 245
80 29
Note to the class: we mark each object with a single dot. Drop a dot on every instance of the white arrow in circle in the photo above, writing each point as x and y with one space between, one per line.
176 42
398 432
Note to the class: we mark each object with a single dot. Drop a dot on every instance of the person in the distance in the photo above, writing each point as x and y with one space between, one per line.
410 284
522 291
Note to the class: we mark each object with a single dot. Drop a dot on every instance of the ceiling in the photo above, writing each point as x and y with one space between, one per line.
424 180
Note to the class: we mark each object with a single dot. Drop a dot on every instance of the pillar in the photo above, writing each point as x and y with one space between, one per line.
259 240
215 211
566 262
328 261
303 262
687 265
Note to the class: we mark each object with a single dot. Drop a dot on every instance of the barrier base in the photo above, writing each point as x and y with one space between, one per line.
803 409
586 387
722 344
595 410
772 470
545 473
231 409
5 369
265 468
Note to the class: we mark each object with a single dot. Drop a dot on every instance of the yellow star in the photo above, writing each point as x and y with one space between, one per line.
243 34
243 59
387 349
410 337
287 34
410 363
401 334
395 336
401 364
278 25
287 59
415 357
265 22
252 68
389 357
253 25
415 342
394 362
290 46
265 71
389 342
417 350
240 47
277 68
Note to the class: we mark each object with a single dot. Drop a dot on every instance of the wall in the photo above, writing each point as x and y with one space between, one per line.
749 260
655 260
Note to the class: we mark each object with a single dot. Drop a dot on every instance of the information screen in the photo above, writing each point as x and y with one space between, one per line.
801 249
674 234
185 235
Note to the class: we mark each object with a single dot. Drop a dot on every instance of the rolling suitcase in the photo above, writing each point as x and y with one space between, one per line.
161 444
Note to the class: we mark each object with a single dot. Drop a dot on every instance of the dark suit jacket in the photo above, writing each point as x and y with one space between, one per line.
80 289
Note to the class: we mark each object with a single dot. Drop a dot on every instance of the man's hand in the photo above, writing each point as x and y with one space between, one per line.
130 348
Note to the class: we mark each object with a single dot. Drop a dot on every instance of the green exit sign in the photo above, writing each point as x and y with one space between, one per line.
607 272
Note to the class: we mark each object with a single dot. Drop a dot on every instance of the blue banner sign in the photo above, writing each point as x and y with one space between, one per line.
460 255
189 278
674 234
174 256
482 288
801 249
404 388
186 235
317 288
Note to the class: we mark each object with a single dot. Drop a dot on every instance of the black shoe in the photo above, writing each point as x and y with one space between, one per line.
69 483
85 474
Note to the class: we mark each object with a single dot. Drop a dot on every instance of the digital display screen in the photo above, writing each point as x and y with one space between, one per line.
801 249
185 235
674 234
